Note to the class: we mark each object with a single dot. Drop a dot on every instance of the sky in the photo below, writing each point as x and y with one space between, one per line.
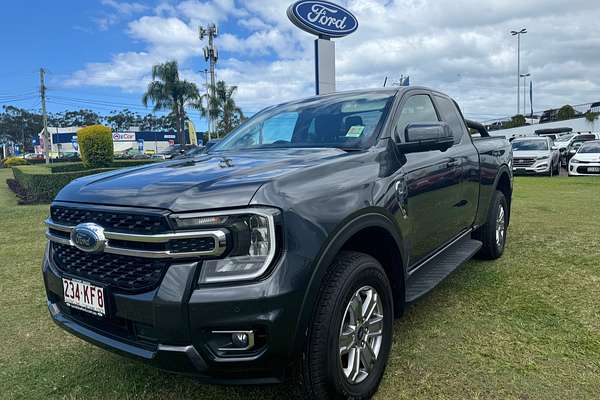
98 54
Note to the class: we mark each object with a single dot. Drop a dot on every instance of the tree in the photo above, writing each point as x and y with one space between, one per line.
222 107
565 112
18 125
81 117
151 122
591 115
123 120
167 91
516 121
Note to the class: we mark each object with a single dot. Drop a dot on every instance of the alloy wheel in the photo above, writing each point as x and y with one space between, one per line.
500 227
361 334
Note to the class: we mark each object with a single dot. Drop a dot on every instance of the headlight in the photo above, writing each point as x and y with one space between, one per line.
574 160
542 157
251 242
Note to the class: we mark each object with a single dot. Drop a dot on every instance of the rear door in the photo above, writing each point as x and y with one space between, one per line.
465 158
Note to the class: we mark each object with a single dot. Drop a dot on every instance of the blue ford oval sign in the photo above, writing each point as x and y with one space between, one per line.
322 18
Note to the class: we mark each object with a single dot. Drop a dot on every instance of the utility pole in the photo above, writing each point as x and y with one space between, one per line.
524 76
211 55
518 35
44 116
207 101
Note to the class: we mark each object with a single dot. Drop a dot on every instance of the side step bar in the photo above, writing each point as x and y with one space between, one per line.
439 267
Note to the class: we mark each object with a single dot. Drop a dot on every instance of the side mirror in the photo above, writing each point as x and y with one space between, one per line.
426 137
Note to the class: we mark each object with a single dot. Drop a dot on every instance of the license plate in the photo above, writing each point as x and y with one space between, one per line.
593 169
84 296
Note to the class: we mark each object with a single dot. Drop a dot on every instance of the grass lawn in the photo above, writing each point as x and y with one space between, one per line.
524 327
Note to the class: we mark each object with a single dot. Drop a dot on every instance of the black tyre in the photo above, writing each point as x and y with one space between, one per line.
493 233
350 336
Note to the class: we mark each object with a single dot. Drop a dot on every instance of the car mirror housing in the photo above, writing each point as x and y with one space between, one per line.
426 137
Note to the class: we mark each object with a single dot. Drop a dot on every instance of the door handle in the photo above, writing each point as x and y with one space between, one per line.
453 163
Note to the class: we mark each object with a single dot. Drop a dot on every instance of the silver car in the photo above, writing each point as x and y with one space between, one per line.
535 156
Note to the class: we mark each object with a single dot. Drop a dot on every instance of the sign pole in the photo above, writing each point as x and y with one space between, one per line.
324 66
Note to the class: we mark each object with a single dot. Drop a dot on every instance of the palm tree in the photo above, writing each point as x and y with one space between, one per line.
221 106
167 91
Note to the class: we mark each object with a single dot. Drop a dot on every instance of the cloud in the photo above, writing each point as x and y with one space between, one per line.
463 48
124 7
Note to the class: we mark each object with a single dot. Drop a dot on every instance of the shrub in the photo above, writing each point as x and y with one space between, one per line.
78 166
591 115
96 146
40 185
516 121
9 162
565 112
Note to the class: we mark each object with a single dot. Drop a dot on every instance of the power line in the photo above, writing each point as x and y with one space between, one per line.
16 99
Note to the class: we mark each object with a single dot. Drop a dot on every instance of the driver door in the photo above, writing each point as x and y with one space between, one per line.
428 185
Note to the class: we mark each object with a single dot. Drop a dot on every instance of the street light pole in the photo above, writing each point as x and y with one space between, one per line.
518 35
524 76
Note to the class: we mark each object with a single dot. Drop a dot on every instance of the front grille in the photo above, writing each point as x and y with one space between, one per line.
117 221
192 245
126 273
523 161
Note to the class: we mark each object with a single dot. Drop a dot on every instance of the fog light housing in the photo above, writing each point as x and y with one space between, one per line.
240 340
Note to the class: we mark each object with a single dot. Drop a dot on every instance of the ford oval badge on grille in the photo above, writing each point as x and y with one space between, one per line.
88 237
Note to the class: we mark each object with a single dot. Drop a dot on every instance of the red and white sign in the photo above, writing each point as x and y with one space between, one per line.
84 296
123 136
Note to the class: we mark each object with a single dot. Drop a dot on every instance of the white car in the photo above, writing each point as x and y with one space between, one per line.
535 155
587 160
565 144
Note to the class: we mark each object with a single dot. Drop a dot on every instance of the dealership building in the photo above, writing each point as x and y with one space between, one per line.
64 140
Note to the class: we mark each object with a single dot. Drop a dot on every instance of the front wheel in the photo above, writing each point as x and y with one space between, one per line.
493 233
350 336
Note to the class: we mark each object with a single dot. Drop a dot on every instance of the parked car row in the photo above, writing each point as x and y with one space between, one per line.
541 155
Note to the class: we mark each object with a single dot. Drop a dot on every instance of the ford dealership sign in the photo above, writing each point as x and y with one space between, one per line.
322 18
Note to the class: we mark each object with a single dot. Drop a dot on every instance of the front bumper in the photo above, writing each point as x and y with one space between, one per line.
582 169
172 326
542 167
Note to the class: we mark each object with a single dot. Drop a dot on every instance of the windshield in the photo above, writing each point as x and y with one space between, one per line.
525 145
564 138
347 121
590 148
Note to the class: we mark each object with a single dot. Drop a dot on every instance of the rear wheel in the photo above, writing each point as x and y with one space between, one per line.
350 338
493 233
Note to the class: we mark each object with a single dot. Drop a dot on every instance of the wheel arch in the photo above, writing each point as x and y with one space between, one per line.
372 231
503 183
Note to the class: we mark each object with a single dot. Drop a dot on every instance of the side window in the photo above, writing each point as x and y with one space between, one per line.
452 117
417 109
